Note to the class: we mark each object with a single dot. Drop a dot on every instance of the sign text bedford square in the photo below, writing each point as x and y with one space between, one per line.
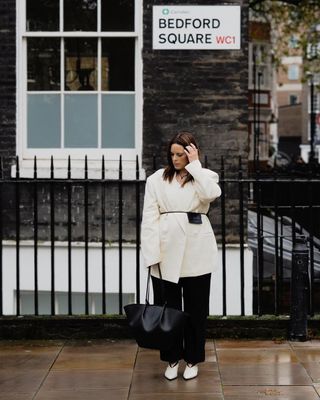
196 27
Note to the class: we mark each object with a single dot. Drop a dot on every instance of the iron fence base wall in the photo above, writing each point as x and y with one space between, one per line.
115 327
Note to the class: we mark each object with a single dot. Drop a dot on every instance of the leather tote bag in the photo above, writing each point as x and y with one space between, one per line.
155 327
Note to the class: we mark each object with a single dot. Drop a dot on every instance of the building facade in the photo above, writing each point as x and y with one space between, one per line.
81 78
290 96
262 102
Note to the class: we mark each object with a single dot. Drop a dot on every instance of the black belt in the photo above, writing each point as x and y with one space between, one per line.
179 212
193 217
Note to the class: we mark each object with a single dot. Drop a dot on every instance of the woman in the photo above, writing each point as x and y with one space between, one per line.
183 244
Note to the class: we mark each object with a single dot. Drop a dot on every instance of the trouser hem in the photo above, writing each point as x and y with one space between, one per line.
194 362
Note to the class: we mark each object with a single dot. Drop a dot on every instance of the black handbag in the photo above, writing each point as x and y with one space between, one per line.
155 327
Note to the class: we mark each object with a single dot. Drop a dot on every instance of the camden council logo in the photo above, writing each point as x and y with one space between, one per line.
165 11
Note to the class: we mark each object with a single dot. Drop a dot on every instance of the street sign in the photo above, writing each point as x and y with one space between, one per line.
197 27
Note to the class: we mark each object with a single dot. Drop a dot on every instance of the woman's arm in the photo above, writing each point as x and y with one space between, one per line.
150 235
205 181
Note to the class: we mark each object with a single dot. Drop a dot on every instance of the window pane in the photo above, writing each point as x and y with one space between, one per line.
81 120
44 121
293 72
117 15
81 64
42 15
43 63
293 42
118 64
293 99
80 15
118 123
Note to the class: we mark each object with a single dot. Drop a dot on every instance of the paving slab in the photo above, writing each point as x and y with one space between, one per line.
92 394
119 370
264 374
16 396
87 379
17 380
270 393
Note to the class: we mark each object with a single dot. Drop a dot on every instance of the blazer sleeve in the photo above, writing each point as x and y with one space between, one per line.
205 181
150 234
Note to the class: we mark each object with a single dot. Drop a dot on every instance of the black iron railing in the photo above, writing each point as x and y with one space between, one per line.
265 211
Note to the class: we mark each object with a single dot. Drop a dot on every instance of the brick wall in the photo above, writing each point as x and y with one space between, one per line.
7 80
283 98
24 201
290 121
203 91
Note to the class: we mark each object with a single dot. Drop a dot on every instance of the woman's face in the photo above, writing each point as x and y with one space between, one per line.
178 157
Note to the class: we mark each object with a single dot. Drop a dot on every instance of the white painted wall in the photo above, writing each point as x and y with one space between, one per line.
112 273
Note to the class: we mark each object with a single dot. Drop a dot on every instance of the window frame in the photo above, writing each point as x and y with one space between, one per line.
316 111
265 64
293 42
293 72
111 154
291 95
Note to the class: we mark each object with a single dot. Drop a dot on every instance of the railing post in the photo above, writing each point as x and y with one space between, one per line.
69 213
299 291
52 237
120 205
138 222
35 236
86 233
18 220
103 234
223 238
241 234
1 250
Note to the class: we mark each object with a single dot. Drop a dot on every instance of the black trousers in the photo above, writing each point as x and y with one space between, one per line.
194 292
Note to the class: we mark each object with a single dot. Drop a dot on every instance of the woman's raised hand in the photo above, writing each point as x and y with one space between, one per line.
191 152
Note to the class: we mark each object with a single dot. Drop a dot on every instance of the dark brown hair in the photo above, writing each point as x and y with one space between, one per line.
183 139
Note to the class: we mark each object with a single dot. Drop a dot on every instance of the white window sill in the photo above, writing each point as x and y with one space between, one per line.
77 169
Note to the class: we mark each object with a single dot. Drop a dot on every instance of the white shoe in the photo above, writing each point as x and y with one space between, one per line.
171 372
190 372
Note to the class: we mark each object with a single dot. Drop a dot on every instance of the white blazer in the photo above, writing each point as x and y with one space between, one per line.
182 249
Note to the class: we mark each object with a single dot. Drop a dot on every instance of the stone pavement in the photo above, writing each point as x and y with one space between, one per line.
118 370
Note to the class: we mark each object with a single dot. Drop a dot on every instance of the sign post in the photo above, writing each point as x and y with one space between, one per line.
196 27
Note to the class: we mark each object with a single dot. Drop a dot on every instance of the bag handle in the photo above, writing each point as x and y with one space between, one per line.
148 284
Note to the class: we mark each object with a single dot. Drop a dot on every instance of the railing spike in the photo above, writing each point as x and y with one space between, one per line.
137 167
35 167
69 167
120 167
103 168
17 167
86 167
51 168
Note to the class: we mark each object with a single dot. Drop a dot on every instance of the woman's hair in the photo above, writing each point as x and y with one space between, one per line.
183 139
